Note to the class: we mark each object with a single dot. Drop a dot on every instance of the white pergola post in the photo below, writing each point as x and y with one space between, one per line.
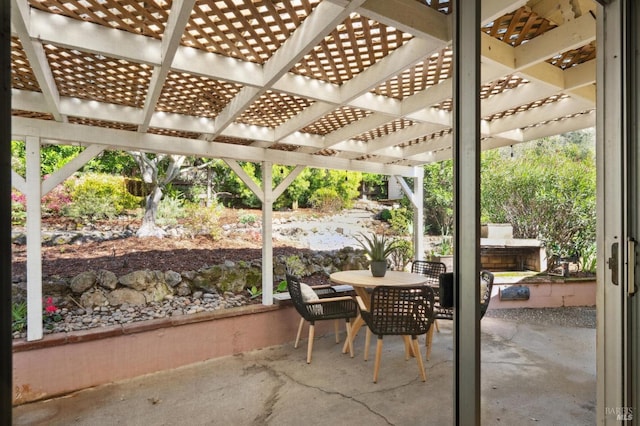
34 189
418 214
266 194
416 197
267 230
34 244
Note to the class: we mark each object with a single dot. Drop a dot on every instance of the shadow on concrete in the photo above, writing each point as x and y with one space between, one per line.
530 373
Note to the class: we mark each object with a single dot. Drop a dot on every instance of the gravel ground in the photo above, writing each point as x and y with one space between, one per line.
67 320
575 316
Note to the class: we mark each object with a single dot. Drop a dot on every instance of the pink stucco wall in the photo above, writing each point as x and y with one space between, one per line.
549 295
67 362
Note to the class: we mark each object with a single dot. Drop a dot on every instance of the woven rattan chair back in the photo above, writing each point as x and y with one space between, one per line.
400 310
429 269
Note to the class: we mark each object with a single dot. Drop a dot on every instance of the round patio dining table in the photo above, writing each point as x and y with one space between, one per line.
361 280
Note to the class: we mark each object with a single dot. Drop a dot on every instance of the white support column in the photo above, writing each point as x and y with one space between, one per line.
416 198
418 214
34 245
267 233
466 211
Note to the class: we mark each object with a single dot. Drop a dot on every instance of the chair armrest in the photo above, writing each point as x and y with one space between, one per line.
361 304
321 286
333 299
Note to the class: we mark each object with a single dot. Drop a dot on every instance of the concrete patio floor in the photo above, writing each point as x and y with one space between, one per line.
531 374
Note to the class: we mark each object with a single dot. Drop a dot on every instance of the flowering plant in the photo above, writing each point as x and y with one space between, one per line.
51 312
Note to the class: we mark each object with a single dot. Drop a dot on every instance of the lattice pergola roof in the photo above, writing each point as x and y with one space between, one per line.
367 83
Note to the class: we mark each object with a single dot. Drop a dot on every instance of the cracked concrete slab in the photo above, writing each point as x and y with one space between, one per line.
530 374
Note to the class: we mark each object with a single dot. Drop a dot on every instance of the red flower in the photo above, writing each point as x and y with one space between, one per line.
49 306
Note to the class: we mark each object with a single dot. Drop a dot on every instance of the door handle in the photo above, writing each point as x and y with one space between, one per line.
631 265
613 263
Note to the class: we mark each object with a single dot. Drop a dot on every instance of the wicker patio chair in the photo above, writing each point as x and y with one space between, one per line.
429 269
445 311
401 311
319 306
444 305
432 270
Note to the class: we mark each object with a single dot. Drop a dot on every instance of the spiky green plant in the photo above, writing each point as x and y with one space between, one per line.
377 247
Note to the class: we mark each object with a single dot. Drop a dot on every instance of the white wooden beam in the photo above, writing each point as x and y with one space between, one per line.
284 184
572 34
406 134
558 127
543 113
18 182
85 36
71 167
580 75
37 59
178 18
120 139
356 128
244 177
586 94
411 17
426 98
494 9
320 22
404 56
523 95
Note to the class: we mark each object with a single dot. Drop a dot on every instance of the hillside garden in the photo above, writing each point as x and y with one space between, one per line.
545 189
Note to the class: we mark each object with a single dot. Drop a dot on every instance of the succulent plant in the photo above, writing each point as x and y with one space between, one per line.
377 247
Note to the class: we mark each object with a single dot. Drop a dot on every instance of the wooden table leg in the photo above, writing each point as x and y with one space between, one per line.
355 327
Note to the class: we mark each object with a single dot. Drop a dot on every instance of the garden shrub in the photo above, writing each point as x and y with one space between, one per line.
326 200
170 209
98 196
54 203
401 255
18 208
248 219
295 266
200 220
385 215
401 220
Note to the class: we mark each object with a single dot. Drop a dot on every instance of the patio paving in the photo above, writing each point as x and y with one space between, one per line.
531 374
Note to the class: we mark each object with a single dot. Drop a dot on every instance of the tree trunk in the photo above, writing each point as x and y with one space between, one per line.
149 227
150 174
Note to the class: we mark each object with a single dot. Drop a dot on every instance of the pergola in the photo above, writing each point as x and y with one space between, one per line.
361 85
354 85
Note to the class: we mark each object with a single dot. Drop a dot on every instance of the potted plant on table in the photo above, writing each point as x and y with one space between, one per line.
377 248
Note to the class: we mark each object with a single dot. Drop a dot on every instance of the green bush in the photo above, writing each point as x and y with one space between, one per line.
90 207
202 220
385 215
170 210
295 266
401 255
547 192
401 220
98 196
18 208
248 219
326 200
